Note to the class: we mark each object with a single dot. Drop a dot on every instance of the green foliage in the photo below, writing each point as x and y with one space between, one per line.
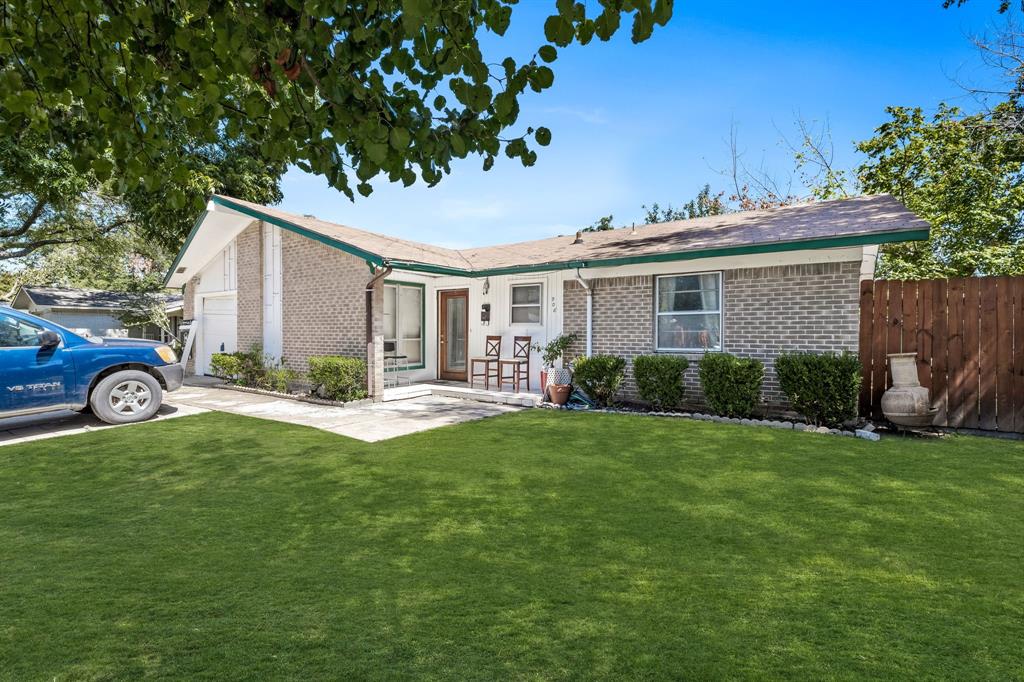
226 365
336 377
600 377
346 90
253 369
61 226
731 385
823 387
602 224
553 351
963 174
703 205
46 202
659 379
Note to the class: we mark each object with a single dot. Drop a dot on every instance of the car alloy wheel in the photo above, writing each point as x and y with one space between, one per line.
129 397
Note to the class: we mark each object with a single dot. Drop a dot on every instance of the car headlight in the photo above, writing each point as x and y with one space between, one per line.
166 354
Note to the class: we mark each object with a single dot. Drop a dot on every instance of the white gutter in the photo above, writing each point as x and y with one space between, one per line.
590 312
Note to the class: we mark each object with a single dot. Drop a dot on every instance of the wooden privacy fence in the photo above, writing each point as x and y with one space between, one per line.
968 334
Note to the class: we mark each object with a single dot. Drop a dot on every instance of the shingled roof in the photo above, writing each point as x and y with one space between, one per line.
843 222
57 297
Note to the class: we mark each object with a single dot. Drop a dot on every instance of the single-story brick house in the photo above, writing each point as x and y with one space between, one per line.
754 284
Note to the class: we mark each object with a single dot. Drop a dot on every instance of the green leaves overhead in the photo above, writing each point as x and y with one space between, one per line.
346 90
965 176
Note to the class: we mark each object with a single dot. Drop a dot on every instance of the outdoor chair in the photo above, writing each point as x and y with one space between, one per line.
394 365
491 358
519 363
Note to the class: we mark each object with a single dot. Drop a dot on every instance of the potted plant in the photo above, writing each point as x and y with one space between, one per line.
550 354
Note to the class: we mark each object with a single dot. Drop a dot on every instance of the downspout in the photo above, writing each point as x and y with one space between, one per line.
590 312
369 299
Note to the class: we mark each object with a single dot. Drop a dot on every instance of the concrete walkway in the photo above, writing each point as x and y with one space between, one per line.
67 423
369 423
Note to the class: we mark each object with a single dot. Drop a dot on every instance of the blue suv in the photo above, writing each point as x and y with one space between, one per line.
45 367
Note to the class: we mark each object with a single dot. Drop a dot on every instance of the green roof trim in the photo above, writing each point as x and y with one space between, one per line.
374 258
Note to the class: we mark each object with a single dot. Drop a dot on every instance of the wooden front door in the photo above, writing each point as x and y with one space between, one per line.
453 335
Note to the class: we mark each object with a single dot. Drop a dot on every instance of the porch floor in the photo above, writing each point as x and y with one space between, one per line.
453 389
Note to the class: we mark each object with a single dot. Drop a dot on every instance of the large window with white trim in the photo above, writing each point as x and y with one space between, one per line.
403 320
688 314
526 304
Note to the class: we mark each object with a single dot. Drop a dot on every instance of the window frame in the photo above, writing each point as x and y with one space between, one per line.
39 329
720 312
539 305
398 284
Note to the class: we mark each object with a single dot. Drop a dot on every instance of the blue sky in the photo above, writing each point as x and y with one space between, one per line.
635 124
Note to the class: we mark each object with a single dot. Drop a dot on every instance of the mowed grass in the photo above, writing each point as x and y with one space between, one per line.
536 545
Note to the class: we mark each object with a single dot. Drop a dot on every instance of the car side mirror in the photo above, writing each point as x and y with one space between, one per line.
48 339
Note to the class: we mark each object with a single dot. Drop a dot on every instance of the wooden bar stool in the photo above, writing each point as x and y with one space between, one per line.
519 363
492 355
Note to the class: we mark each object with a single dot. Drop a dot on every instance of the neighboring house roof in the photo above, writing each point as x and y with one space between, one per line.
85 299
827 224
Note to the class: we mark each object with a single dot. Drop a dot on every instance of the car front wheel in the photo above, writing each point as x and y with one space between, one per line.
125 397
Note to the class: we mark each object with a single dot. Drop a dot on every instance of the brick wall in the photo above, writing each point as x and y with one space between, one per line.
324 304
249 284
767 311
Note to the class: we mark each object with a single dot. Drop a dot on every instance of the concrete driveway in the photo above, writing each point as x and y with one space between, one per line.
67 423
369 423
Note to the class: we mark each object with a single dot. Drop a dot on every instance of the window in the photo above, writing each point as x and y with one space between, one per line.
14 333
526 304
689 312
403 319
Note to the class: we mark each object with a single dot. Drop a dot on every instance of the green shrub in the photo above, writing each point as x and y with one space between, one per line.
731 385
600 377
336 377
821 387
225 365
252 368
659 379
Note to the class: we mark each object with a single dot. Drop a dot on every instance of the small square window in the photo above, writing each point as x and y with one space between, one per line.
526 304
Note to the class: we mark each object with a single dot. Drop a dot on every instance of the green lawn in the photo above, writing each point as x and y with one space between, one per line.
536 545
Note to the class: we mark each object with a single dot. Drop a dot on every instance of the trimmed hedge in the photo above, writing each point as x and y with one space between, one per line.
251 368
824 388
659 379
731 385
337 377
600 377
225 365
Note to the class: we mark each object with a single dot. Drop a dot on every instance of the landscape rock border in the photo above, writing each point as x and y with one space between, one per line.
866 433
296 396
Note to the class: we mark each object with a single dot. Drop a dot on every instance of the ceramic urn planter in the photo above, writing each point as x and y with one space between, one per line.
558 385
907 403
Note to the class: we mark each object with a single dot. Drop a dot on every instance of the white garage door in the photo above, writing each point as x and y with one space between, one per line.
218 330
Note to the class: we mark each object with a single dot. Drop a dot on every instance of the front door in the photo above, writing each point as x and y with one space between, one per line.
453 341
